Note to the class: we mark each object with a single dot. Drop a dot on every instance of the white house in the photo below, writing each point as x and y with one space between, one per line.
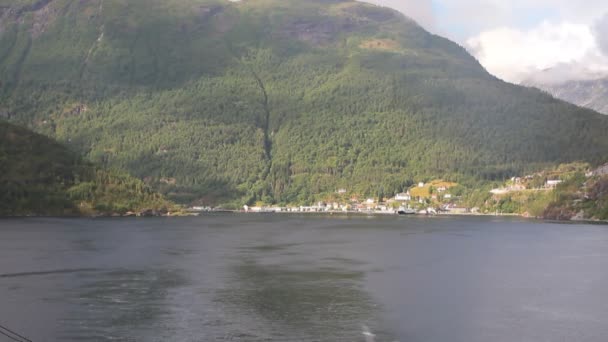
403 197
500 191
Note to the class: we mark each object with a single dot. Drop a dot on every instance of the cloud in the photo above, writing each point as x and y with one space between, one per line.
480 15
567 50
600 29
553 40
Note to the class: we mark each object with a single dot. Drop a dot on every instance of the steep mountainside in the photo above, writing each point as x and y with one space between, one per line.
592 94
38 176
274 100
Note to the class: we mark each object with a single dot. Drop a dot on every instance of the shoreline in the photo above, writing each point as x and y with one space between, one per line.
325 213
370 213
389 214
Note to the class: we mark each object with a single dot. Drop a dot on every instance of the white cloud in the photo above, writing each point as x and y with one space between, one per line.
517 39
475 16
600 29
571 50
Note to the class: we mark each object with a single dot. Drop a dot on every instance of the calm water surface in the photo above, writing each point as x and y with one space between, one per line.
296 278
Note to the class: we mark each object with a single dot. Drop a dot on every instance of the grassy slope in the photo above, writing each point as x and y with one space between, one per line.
578 197
275 100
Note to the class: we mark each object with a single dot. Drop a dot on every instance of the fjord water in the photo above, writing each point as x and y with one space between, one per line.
303 278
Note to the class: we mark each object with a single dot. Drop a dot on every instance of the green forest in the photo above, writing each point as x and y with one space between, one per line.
278 101
38 176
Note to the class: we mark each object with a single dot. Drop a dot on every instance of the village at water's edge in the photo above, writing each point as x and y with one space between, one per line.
569 192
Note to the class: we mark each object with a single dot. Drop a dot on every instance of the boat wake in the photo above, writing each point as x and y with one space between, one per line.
369 335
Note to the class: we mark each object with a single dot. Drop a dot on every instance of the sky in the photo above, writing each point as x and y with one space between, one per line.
518 40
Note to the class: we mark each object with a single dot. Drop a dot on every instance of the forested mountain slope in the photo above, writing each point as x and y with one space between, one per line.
274 100
39 176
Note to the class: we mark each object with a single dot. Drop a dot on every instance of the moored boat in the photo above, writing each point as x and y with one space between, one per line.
406 211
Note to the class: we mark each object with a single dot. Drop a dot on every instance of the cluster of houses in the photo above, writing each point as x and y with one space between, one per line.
421 198
435 197
522 183
552 180
370 205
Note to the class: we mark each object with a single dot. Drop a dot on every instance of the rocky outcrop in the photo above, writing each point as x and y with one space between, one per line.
74 110
44 14
318 32
559 213
36 6
601 171
151 213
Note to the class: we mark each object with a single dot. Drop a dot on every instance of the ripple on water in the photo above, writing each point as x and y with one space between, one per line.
272 302
120 305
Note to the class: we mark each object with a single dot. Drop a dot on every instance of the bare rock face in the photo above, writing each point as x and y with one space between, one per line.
559 213
601 171
44 16
345 18
318 32
43 11
38 5
592 94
